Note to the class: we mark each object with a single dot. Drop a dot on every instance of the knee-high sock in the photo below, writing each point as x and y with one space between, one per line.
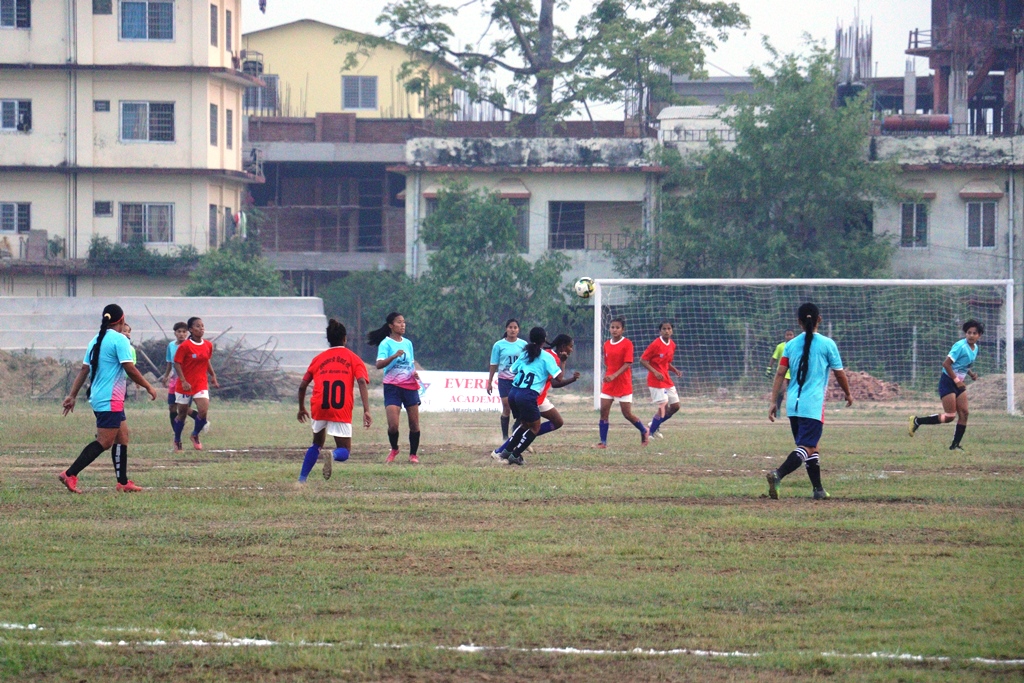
657 421
929 419
393 438
504 426
602 428
792 463
546 427
85 458
119 456
312 455
814 472
173 416
639 424
524 442
200 423
178 425
515 438
194 414
414 442
958 434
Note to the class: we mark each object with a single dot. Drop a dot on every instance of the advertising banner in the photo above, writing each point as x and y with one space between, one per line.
452 392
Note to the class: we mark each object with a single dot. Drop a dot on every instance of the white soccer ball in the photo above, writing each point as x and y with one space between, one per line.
584 287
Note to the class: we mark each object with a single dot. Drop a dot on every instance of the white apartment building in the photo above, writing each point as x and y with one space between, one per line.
118 119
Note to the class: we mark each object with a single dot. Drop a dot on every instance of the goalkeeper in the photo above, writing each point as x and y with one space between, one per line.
769 372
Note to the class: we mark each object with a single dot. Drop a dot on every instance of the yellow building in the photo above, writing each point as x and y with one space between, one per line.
307 66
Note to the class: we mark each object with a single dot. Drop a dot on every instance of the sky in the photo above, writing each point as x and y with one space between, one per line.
784 22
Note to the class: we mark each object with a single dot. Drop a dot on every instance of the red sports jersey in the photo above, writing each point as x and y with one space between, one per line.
195 362
547 387
333 374
660 355
615 356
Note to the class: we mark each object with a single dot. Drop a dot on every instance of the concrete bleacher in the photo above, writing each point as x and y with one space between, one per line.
62 327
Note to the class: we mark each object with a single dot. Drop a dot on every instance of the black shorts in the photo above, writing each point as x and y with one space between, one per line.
504 386
109 419
948 386
806 430
523 403
395 395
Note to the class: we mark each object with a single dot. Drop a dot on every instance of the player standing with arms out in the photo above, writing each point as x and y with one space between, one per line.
952 390
814 355
334 374
657 358
770 370
170 378
401 383
192 363
617 384
108 361
503 355
533 369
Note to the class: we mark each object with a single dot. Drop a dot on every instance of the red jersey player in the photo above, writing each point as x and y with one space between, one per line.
334 373
618 381
192 363
657 358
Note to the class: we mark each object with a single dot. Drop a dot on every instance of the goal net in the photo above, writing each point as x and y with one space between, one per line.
893 335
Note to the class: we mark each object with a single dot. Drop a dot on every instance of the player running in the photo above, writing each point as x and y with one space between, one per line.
657 358
334 374
401 382
192 364
108 361
532 371
170 378
770 370
617 384
814 355
503 355
952 390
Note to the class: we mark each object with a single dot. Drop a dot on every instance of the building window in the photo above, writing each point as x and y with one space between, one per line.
147 121
227 30
566 226
15 217
101 105
522 223
102 6
147 223
229 223
101 209
914 225
15 14
16 115
213 125
213 25
358 92
214 213
147 20
260 100
981 224
229 128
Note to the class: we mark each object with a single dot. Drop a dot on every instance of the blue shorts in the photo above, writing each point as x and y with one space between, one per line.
523 403
948 386
504 386
395 395
806 430
109 419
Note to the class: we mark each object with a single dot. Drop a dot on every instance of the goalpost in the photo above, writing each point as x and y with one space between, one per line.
896 331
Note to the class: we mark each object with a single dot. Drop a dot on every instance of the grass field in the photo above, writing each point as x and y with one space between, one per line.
226 569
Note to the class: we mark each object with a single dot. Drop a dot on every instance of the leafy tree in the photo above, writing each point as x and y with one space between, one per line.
791 197
134 257
362 301
237 268
619 45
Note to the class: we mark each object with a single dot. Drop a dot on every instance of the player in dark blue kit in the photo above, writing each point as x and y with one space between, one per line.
532 370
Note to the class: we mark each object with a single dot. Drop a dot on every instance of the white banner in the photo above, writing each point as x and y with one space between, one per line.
452 392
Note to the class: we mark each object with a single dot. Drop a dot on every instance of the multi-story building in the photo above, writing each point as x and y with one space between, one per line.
120 119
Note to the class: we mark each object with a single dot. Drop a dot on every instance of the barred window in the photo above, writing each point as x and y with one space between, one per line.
358 92
227 30
229 128
213 125
103 209
981 224
16 115
262 99
15 216
147 20
213 25
15 14
147 121
566 225
147 223
913 225
522 223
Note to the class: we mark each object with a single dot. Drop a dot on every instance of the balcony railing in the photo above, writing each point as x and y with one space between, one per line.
698 135
332 229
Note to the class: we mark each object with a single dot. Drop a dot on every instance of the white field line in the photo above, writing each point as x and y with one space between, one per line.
194 638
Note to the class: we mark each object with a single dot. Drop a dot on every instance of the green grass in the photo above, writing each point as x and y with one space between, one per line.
919 551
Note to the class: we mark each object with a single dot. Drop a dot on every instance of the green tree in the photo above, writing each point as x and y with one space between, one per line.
792 196
362 301
620 45
237 268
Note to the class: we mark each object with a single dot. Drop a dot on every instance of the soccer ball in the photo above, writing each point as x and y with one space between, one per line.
584 287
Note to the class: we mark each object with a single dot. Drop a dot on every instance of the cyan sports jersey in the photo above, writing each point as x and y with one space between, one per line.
809 400
171 349
963 358
534 374
110 382
401 370
504 353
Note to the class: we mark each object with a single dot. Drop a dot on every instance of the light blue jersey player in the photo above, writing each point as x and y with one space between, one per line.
532 371
808 358
952 391
503 354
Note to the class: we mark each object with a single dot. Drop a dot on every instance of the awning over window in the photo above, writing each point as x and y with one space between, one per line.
507 188
981 189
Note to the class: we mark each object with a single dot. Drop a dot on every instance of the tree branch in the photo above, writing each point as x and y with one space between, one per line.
523 42
488 59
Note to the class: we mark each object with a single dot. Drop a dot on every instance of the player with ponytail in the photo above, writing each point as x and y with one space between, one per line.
814 355
401 382
532 370
107 363
503 354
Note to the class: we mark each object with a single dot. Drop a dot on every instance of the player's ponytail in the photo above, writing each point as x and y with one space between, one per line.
112 314
375 337
560 342
336 333
508 322
808 315
537 338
